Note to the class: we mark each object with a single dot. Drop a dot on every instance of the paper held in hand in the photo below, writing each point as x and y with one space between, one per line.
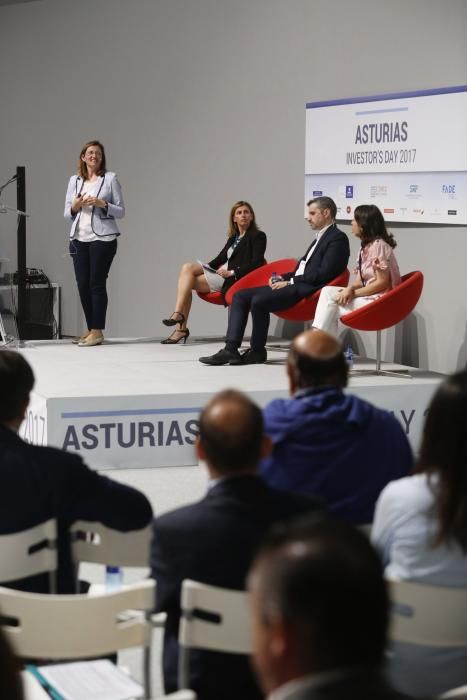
207 267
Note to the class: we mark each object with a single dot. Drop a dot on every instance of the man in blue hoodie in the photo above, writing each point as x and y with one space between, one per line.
329 443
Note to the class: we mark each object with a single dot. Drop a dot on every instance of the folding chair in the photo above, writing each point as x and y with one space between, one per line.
80 626
428 615
30 552
95 543
212 618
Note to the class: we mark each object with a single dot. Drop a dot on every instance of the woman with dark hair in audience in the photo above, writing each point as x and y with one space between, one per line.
242 253
420 528
376 272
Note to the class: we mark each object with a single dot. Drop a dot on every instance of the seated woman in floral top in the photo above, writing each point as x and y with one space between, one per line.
377 270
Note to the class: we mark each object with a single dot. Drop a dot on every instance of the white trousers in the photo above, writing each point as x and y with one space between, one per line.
328 312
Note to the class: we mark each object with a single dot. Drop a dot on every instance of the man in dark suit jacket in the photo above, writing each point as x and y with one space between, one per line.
320 614
41 483
325 259
214 540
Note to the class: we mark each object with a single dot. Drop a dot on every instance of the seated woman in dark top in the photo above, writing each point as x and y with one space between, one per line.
243 252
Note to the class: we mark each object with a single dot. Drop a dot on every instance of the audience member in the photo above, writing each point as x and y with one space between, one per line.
327 442
214 540
11 687
40 483
325 259
320 614
420 528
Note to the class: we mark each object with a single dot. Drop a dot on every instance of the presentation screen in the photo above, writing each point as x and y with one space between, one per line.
405 152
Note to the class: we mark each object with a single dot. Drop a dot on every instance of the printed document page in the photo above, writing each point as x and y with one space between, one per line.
91 680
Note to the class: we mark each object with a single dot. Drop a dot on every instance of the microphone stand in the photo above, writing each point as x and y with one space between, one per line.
20 177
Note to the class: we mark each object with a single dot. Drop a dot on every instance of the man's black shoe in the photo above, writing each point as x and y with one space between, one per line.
223 357
254 357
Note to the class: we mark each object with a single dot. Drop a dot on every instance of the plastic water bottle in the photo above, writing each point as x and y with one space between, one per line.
348 354
275 277
113 578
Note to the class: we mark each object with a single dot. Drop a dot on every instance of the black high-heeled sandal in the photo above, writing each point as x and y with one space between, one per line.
173 321
171 341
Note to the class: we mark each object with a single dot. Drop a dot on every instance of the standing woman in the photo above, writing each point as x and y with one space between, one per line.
93 203
377 270
242 253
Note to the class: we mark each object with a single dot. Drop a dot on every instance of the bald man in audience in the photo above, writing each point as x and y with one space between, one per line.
214 540
320 614
327 442
44 483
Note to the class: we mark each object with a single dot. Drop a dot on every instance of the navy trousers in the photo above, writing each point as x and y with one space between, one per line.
260 301
92 263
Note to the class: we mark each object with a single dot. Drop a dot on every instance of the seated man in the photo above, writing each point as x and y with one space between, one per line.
41 483
320 613
328 443
325 259
214 540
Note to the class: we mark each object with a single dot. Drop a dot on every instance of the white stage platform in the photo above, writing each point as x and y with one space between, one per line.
134 403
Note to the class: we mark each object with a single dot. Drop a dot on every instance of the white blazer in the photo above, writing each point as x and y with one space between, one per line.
103 222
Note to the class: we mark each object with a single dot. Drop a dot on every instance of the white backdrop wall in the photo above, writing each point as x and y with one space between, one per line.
200 103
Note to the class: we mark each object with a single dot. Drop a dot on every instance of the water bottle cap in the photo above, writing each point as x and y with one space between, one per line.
112 569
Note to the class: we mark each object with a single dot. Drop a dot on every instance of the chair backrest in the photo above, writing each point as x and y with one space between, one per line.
260 276
459 692
211 618
79 626
76 626
390 308
30 552
428 615
95 543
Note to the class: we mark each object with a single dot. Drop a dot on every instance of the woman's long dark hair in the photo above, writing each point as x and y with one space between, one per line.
373 225
443 457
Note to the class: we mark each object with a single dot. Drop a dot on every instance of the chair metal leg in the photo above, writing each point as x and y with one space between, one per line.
147 672
183 666
147 655
402 374
378 351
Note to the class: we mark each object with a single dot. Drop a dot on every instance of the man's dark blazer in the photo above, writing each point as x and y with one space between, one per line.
40 483
327 262
247 256
363 684
213 541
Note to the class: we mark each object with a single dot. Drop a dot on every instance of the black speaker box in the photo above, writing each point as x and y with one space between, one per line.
38 322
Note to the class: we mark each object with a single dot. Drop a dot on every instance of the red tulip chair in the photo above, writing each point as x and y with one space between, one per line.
260 276
304 310
386 311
